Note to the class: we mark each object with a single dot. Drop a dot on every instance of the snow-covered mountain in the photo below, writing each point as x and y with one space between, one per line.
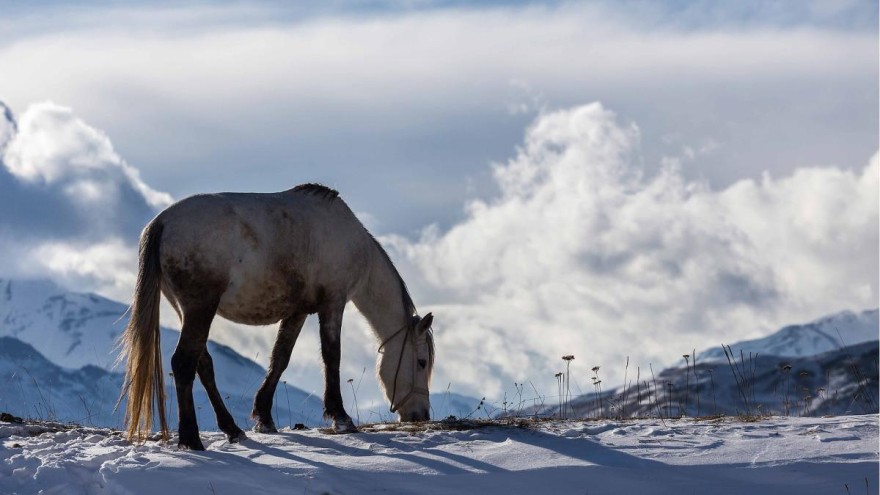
798 370
838 382
808 339
57 361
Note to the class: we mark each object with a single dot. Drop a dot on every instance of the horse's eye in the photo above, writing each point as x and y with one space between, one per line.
422 363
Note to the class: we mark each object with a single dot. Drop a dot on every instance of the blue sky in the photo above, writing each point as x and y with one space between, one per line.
580 170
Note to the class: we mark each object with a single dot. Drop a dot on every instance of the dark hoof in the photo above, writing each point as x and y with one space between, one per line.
191 445
236 437
344 426
261 427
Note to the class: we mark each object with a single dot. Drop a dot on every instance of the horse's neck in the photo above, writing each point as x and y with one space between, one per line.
380 300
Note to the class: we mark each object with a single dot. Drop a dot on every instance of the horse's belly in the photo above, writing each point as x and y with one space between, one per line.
260 302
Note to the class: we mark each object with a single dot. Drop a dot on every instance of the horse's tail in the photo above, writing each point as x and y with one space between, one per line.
140 344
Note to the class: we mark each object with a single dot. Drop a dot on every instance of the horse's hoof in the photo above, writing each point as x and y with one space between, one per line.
236 437
261 427
191 445
344 426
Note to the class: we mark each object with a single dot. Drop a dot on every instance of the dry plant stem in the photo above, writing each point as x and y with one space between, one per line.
865 392
738 377
786 369
355 396
697 391
567 401
687 381
287 395
559 393
714 401
537 396
656 394
623 405
638 387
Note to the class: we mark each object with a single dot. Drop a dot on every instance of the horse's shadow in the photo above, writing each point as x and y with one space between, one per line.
436 457
385 446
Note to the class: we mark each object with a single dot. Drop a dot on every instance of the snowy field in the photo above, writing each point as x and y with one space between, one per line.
775 456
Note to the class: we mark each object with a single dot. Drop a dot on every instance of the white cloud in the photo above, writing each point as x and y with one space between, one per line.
419 100
584 253
108 266
71 207
51 145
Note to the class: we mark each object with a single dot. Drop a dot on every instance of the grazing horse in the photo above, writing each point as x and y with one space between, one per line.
258 259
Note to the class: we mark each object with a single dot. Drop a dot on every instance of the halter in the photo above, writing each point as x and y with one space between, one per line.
413 390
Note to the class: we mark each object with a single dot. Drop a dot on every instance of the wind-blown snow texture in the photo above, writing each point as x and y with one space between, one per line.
800 456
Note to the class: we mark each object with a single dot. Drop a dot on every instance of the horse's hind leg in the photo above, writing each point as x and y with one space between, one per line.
288 332
224 419
184 363
331 348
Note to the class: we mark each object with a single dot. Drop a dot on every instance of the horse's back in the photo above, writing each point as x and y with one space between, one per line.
265 256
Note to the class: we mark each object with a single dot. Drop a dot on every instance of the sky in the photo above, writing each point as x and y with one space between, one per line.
605 179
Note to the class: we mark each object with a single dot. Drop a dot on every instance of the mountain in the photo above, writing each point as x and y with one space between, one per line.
57 362
32 386
810 338
832 383
798 370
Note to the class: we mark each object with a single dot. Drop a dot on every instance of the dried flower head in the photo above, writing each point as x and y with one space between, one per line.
568 357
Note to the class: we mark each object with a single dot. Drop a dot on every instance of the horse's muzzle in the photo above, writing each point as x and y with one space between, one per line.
423 415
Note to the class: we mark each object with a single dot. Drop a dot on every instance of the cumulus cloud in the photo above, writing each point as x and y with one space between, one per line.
70 207
584 252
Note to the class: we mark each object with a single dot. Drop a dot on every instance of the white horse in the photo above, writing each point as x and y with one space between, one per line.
259 259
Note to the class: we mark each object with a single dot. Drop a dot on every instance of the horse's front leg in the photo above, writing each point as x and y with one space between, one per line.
288 332
331 347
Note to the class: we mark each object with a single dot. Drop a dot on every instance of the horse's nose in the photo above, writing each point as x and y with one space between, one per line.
422 415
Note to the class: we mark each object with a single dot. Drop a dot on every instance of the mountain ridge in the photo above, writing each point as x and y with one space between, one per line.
72 332
842 329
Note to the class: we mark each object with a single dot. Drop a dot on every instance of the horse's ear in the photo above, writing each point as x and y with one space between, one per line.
425 323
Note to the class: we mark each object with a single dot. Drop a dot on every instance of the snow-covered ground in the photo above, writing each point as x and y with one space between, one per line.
776 456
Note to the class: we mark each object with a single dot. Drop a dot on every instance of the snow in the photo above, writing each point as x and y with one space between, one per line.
776 455
823 335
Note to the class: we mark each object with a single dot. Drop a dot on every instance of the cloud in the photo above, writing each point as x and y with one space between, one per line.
70 207
207 98
584 252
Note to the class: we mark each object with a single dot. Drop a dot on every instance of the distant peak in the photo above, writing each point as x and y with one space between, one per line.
846 315
43 286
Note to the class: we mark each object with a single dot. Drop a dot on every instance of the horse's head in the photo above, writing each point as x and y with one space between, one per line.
405 367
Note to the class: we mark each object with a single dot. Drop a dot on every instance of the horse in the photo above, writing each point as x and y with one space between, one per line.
257 259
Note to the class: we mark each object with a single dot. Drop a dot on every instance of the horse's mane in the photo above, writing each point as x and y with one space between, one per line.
317 189
408 304
331 194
